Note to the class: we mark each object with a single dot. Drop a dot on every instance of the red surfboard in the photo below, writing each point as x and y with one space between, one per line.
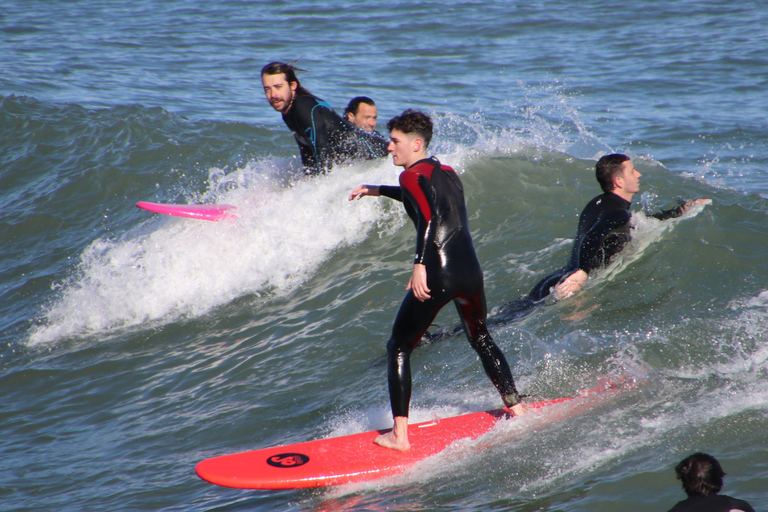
212 212
352 458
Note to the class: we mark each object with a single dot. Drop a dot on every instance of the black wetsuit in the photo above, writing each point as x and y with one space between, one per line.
602 233
326 139
433 197
711 503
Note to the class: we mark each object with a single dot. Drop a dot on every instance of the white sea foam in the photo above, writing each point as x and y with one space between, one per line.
169 268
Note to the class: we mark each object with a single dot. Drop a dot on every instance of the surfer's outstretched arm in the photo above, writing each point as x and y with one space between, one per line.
364 190
676 212
390 191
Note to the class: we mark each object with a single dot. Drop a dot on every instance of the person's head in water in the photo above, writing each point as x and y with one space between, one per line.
410 134
700 474
362 113
616 173
281 85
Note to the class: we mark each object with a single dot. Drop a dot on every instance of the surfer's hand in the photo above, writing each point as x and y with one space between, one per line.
418 282
364 190
572 284
696 201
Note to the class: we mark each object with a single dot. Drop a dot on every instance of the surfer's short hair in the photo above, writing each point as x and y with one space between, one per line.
607 168
700 474
354 104
413 121
289 70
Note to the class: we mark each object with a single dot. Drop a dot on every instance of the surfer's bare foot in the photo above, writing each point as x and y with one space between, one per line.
397 438
388 440
517 410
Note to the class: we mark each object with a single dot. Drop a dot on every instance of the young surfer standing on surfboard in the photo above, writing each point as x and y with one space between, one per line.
445 268
324 138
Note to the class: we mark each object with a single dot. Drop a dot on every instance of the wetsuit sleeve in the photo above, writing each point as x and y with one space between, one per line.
375 143
669 214
301 121
417 192
323 121
353 143
391 192
336 140
593 240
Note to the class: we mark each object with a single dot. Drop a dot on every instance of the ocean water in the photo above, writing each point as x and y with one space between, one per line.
134 345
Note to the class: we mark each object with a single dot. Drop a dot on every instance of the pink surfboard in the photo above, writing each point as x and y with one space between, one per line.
212 212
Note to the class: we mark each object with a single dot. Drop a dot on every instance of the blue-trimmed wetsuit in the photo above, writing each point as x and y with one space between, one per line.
433 197
325 139
603 232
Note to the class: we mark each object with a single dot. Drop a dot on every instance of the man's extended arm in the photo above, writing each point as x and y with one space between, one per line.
676 212
389 191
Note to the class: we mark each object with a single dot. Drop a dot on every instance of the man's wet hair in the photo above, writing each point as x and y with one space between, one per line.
289 70
607 168
700 474
413 121
354 104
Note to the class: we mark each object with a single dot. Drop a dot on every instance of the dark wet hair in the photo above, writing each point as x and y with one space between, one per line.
413 121
289 70
700 474
354 104
607 168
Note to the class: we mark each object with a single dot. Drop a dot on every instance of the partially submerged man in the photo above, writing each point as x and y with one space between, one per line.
603 232
445 269
324 138
362 112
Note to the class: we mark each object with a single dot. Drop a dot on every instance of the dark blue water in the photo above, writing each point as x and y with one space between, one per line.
134 345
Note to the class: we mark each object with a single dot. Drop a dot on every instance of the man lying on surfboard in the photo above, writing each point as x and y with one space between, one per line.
323 136
445 268
603 231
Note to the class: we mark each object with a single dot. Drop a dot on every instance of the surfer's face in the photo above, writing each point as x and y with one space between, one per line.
630 178
405 148
365 118
279 91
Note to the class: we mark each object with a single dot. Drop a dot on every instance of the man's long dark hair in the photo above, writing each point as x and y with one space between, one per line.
289 70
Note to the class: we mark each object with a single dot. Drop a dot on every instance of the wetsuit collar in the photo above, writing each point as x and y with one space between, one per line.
623 201
432 160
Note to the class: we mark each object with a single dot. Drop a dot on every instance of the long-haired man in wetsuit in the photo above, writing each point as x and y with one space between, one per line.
603 232
445 268
324 138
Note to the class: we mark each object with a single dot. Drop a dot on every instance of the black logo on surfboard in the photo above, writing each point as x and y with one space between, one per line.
287 460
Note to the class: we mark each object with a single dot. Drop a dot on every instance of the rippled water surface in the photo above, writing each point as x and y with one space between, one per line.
133 346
